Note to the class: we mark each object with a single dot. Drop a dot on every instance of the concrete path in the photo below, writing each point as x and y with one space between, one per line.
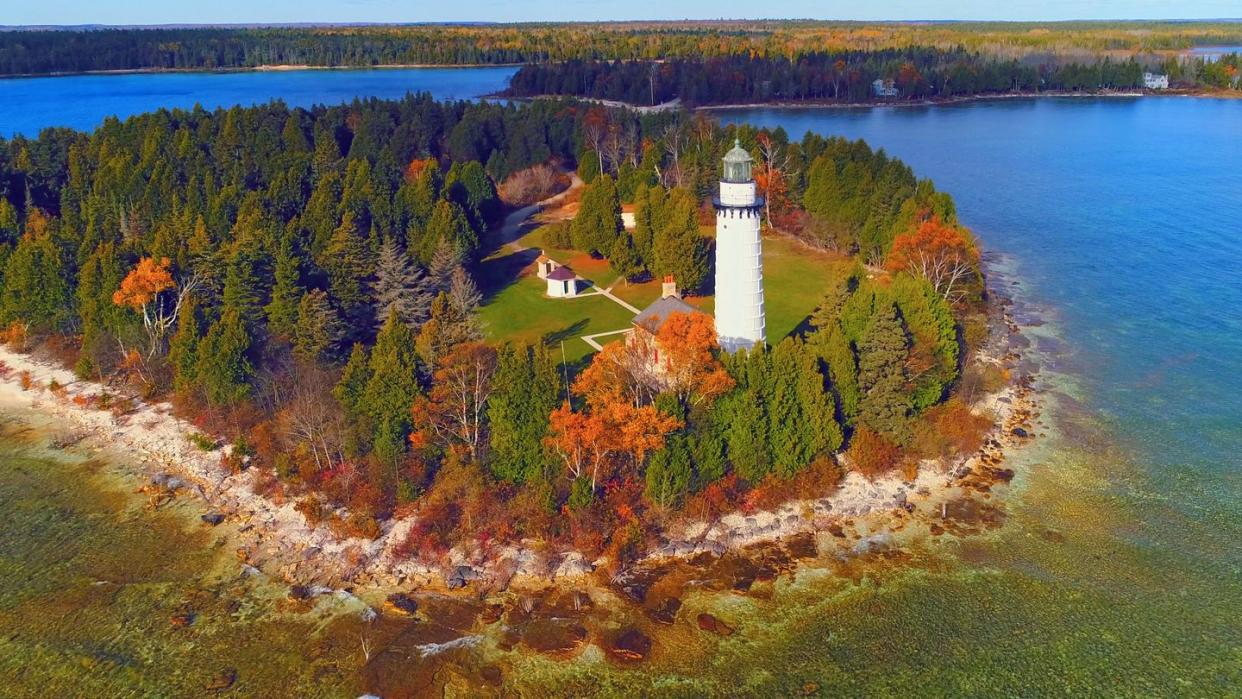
590 339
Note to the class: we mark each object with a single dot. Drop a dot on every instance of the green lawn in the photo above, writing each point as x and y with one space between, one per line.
515 307
522 312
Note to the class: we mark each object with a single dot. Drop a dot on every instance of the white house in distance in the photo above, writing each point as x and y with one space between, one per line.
562 282
1155 81
884 88
740 322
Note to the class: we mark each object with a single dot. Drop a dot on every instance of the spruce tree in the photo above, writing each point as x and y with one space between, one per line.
787 426
391 389
599 217
819 411
524 393
648 203
224 371
318 330
669 472
349 393
624 258
99 277
183 350
36 287
282 309
836 353
348 265
678 248
241 285
882 354
400 286
448 224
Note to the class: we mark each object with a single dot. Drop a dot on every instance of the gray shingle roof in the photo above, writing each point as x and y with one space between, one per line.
654 316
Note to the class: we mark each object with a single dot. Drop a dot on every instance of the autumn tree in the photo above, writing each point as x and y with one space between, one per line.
143 290
454 414
940 253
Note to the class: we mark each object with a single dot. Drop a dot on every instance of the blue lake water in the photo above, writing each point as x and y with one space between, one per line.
83 101
1119 571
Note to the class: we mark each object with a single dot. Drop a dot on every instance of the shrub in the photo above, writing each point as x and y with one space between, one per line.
871 454
556 235
26 380
203 442
950 429
532 185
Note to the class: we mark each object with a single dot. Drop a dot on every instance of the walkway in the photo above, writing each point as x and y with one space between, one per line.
511 230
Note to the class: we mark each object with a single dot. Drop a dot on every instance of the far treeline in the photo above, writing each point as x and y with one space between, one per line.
848 76
37 52
306 284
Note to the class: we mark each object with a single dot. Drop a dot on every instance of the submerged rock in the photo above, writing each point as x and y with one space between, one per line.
460 577
402 603
553 635
630 645
665 611
222 681
213 518
710 623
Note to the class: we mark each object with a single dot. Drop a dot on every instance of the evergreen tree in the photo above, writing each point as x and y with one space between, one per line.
36 288
669 472
835 352
882 354
598 222
348 265
282 309
648 202
448 224
444 263
241 285
746 427
678 248
787 426
318 331
224 371
99 277
349 392
183 350
524 394
400 286
624 258
391 389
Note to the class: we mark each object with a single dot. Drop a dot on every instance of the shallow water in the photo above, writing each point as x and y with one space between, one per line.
1118 571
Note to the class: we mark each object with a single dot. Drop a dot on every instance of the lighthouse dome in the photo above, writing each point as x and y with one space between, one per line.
737 164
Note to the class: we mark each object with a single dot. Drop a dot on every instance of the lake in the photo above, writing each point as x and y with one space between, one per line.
1117 226
84 101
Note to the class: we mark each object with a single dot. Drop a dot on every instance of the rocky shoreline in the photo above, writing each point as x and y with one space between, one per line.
274 537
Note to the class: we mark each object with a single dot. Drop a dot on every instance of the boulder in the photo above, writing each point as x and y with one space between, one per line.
213 518
711 624
402 603
573 565
630 645
664 611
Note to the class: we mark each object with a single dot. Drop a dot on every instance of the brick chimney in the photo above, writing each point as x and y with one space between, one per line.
670 287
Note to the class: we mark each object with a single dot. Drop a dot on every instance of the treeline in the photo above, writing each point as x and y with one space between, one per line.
60 51
304 282
847 76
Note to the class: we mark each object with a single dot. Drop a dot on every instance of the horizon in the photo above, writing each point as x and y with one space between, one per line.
149 13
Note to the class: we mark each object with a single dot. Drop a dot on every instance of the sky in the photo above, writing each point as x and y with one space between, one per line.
16 12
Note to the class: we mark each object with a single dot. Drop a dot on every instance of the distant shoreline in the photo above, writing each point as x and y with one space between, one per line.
275 68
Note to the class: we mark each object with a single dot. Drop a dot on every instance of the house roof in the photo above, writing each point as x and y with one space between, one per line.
562 274
654 316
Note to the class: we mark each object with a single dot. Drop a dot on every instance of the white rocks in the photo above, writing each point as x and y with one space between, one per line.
573 565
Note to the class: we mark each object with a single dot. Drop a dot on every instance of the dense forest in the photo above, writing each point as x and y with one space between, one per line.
847 76
25 52
304 284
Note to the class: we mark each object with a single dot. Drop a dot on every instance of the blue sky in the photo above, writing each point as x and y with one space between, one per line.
216 11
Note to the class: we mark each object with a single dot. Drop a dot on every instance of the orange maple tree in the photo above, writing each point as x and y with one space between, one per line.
143 289
942 253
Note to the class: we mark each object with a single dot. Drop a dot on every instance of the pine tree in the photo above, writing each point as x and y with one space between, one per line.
669 472
390 392
882 354
448 223
282 309
819 410
648 203
787 427
624 258
349 393
444 262
99 276
241 285
224 371
599 217
183 350
348 265
678 248
400 286
524 393
318 330
36 288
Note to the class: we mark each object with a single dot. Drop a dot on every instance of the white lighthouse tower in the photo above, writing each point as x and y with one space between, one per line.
739 256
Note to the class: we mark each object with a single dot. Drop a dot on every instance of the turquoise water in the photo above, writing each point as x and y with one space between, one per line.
84 101
1118 223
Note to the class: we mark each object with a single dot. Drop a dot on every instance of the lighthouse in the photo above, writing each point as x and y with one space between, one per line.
739 256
